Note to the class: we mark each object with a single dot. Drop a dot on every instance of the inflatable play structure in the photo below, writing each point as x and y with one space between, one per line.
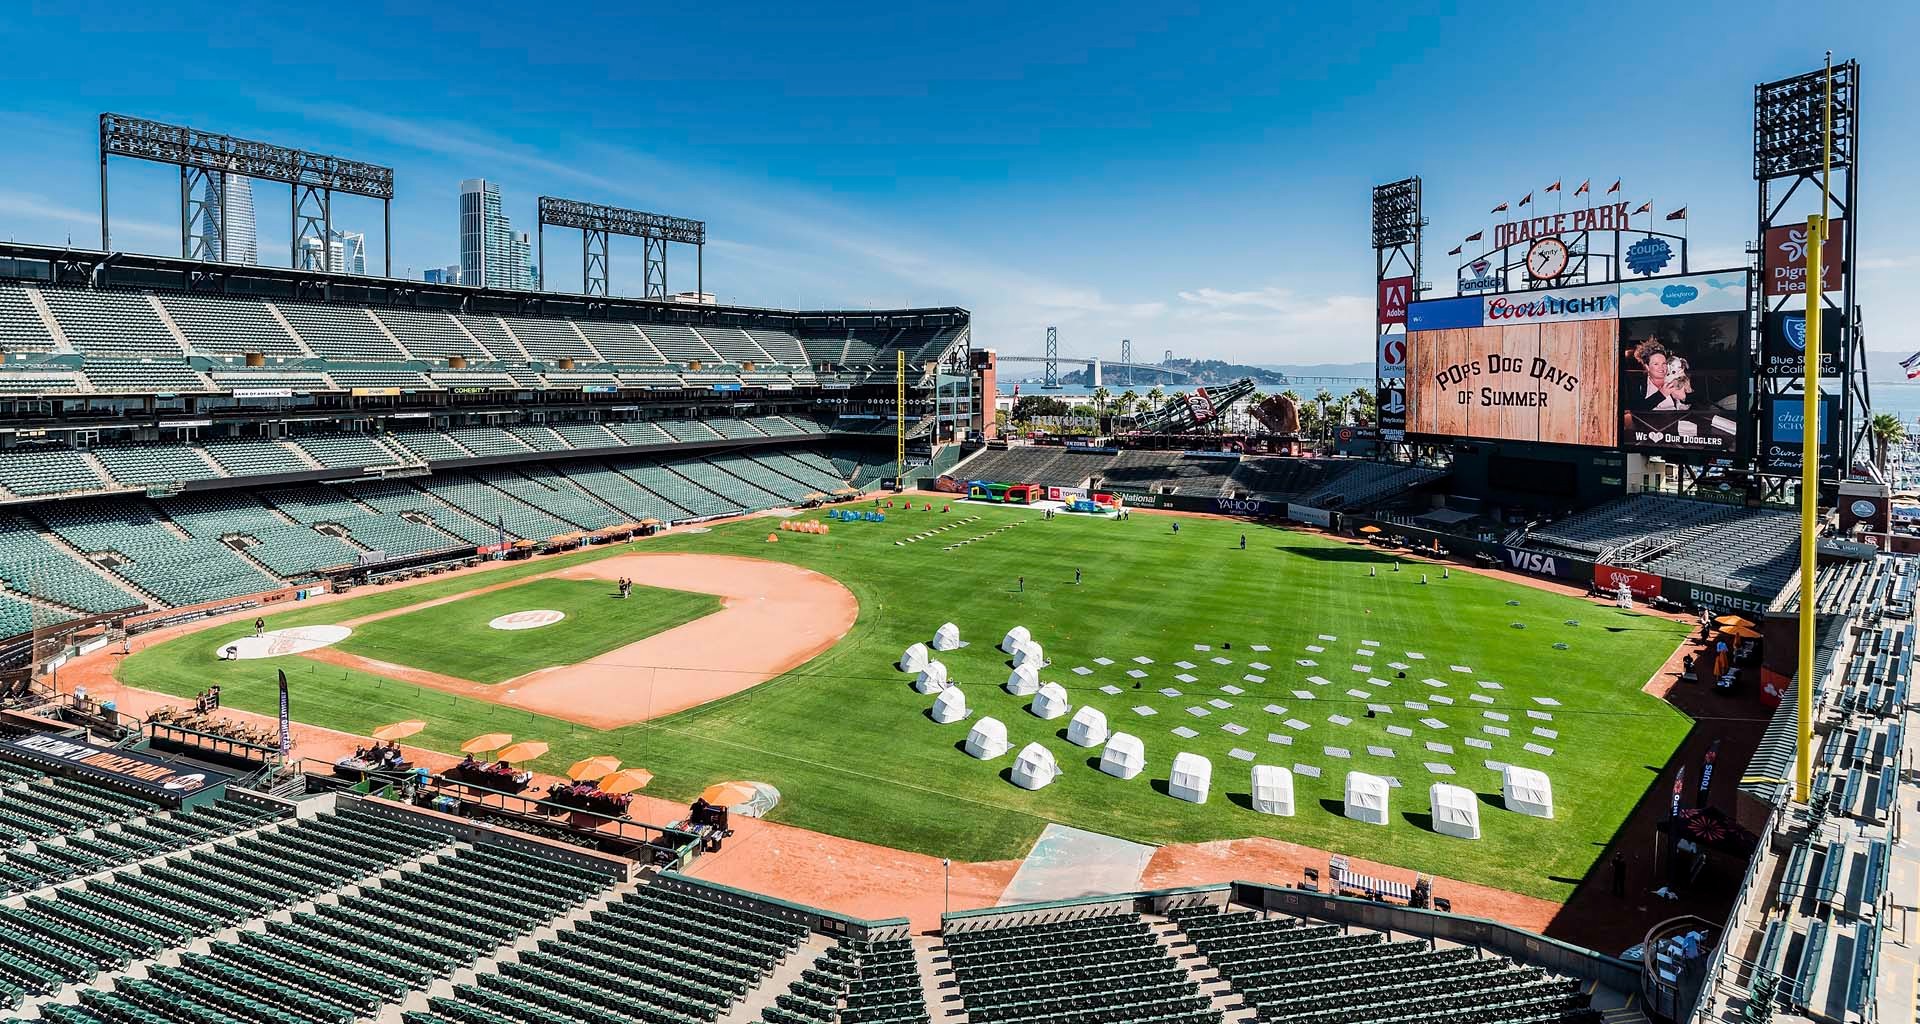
1009 494
850 515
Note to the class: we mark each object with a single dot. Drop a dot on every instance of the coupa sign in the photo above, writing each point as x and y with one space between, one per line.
1241 506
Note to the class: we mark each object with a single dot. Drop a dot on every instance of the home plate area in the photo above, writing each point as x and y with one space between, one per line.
1392 732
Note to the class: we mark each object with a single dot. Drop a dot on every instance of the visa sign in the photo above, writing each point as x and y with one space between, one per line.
1533 563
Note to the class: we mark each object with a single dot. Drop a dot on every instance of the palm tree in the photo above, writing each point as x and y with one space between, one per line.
1156 397
1324 399
1364 399
1887 433
1101 396
1128 399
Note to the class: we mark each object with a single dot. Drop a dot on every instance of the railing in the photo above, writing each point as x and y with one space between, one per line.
1727 971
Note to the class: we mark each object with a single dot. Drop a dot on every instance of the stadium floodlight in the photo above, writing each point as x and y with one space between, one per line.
1789 126
208 156
1396 213
597 222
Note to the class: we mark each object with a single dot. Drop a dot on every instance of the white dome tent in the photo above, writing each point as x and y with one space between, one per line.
1015 637
1273 790
914 658
950 706
1051 702
1030 653
1527 790
1456 811
1124 756
1034 767
932 678
1088 728
1367 798
1023 681
1190 779
947 638
987 739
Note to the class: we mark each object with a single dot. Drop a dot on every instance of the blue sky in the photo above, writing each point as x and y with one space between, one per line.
1193 178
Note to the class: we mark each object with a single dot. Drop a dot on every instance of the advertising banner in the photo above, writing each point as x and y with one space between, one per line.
1683 383
1392 360
131 769
1395 294
1200 404
1783 347
1550 382
1643 584
1443 314
1714 599
1536 563
1392 406
1784 255
1066 494
1782 421
1242 506
1721 292
1311 516
1553 305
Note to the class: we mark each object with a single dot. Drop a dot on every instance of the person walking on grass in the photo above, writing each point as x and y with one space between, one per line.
1076 577
1022 587
1176 527
1243 542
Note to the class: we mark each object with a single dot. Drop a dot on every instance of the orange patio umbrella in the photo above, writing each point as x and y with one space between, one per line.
1369 528
1742 632
1734 620
625 781
489 741
398 730
726 794
525 750
593 767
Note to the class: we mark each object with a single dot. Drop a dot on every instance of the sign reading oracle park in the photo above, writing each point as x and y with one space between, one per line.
1611 217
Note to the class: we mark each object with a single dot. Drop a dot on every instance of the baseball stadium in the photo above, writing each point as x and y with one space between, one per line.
385 650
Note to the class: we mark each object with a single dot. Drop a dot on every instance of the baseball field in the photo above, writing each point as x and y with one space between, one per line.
737 658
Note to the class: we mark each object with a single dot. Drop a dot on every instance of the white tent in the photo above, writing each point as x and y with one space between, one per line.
1034 767
1030 653
950 706
1088 728
1367 798
1273 790
1015 637
1124 756
932 678
1528 791
1456 811
1190 778
988 739
914 658
1051 702
1023 681
946 638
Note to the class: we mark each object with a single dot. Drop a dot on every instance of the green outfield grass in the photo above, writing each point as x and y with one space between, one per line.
454 638
849 744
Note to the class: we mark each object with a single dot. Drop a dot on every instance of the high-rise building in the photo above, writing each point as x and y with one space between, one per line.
491 255
239 242
345 252
443 275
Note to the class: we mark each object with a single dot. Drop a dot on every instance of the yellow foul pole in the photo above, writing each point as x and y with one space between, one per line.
1810 452
900 418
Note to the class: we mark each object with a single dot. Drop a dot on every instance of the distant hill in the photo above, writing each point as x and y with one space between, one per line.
1202 371
1322 369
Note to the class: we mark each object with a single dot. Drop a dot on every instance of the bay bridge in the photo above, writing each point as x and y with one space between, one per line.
1098 369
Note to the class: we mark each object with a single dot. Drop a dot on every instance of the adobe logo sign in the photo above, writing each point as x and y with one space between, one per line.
1786 258
1395 293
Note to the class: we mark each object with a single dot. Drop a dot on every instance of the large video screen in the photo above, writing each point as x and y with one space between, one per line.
1683 368
1540 366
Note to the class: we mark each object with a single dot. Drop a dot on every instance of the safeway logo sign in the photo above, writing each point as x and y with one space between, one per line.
1395 293
1393 357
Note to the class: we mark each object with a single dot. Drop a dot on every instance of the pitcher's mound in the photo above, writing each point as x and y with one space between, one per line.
528 620
276 642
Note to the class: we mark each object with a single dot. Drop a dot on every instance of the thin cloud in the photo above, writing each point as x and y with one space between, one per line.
31 206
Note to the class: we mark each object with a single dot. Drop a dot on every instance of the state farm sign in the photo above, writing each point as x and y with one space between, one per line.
1785 256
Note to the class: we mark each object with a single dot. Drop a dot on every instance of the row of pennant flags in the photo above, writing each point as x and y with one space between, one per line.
1586 188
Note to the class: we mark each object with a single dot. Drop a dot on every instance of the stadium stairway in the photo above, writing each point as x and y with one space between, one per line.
750 1008
937 985
416 1001
1232 1008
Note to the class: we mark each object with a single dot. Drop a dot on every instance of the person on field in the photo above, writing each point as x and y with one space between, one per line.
1243 542
259 626
1076 577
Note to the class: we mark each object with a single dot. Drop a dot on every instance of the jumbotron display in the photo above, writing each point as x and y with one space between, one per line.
1540 366
1647 365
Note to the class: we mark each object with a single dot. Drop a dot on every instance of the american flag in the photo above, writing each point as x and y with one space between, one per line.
1911 364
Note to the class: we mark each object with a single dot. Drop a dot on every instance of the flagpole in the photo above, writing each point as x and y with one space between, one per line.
1810 450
